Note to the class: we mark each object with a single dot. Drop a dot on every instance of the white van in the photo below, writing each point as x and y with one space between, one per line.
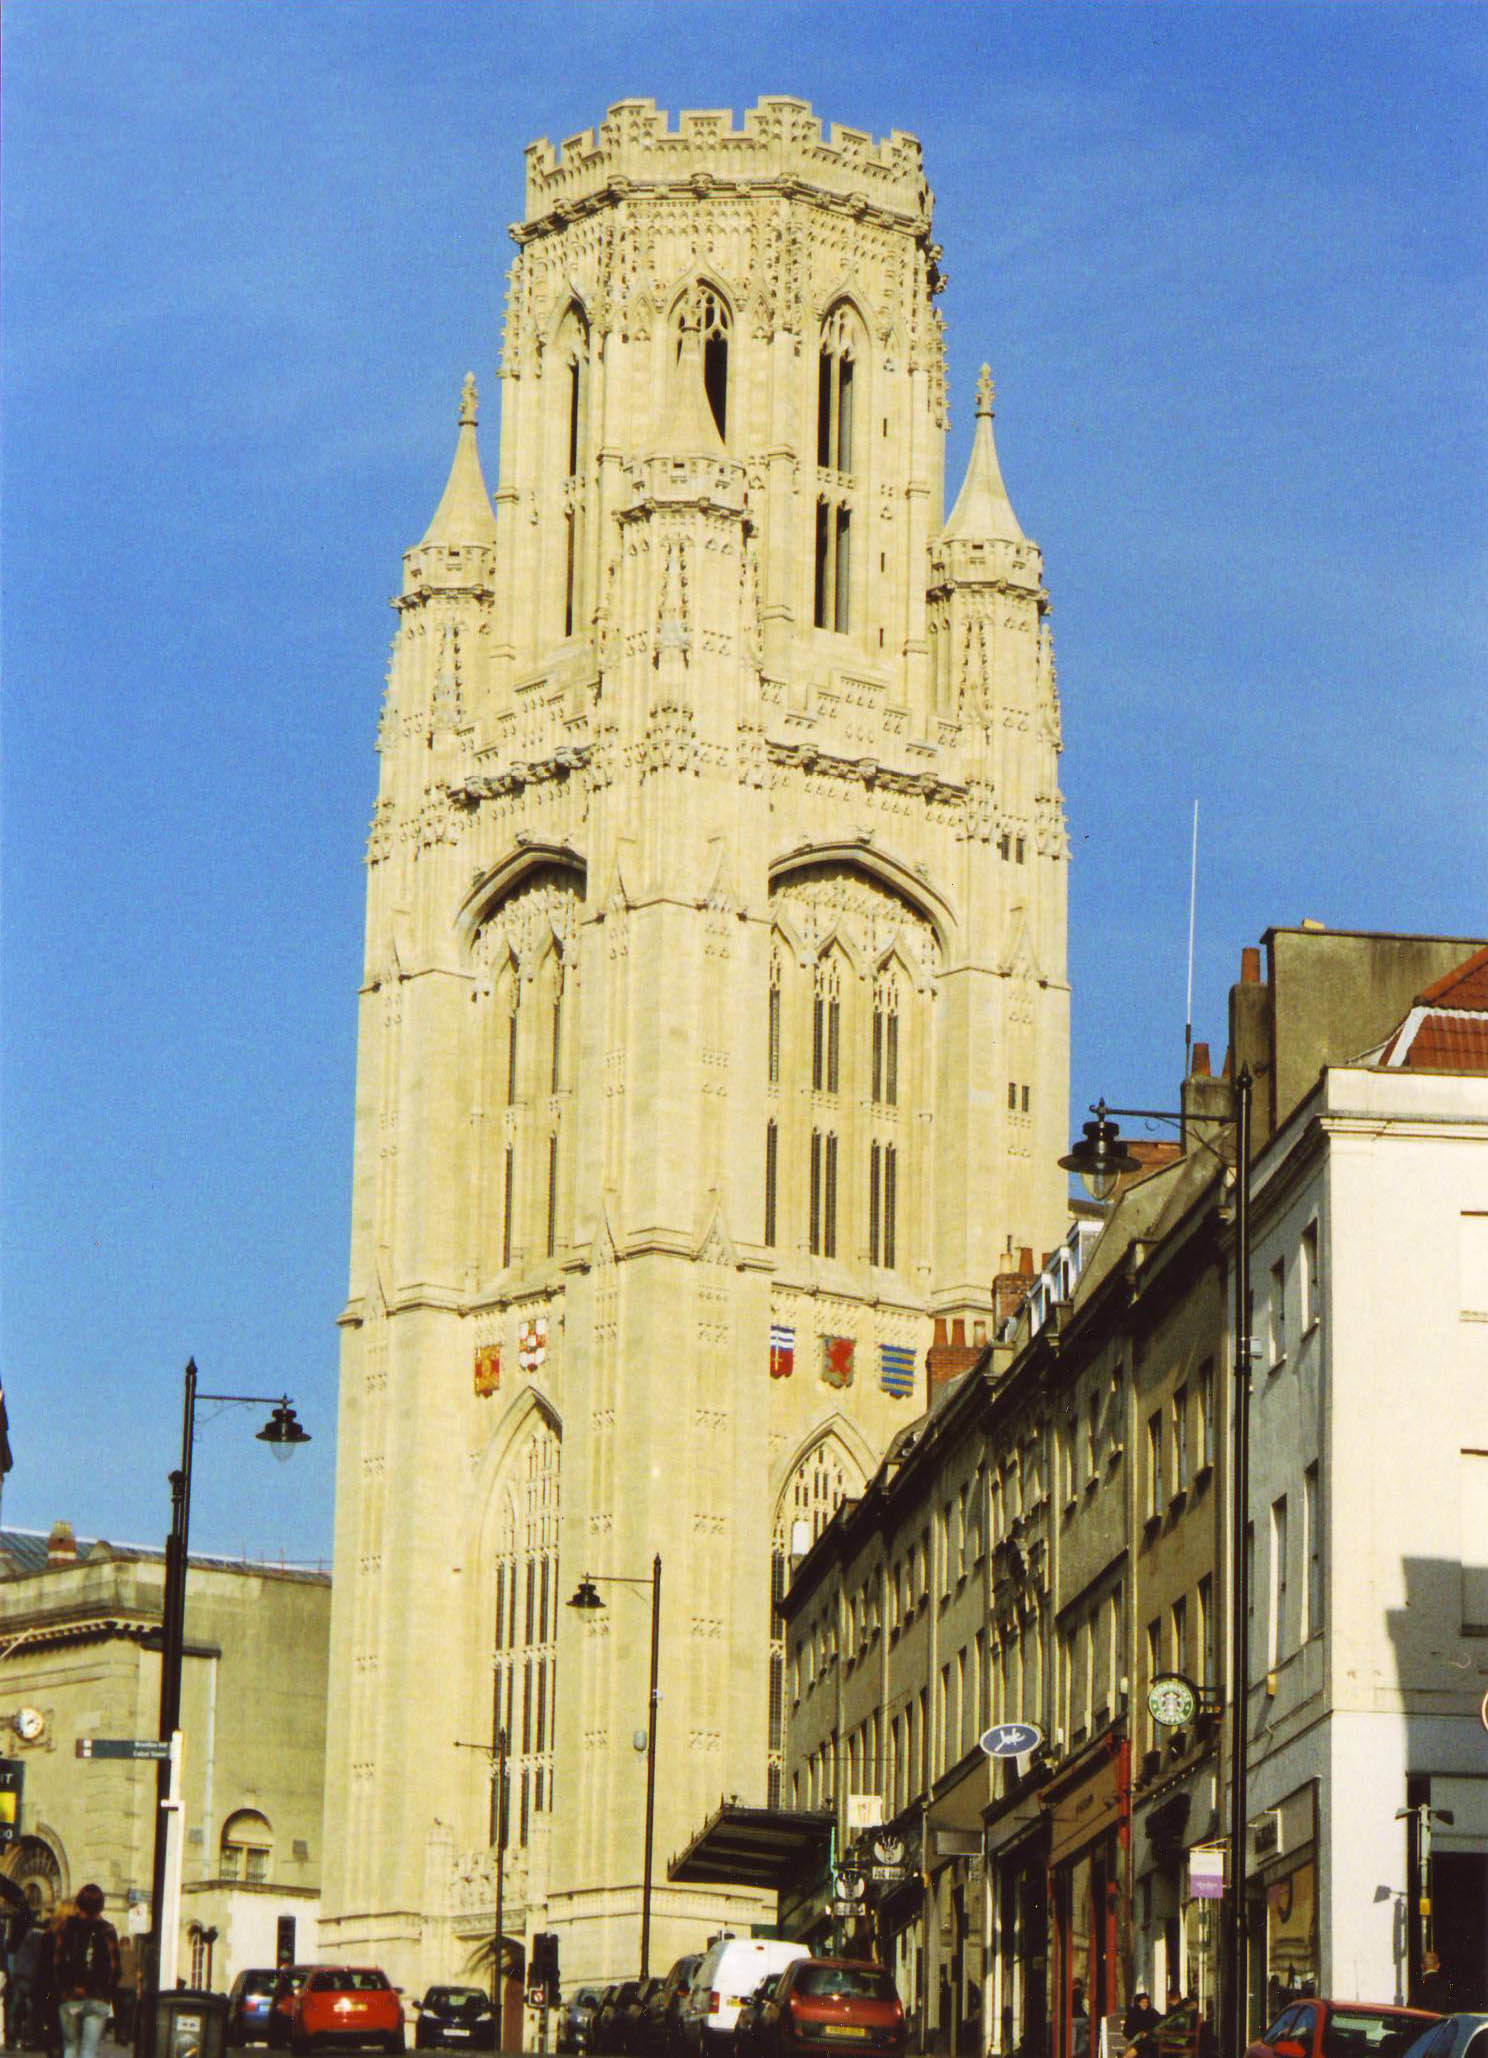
731 1970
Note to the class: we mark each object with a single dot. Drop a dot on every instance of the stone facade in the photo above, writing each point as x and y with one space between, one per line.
79 1640
714 1024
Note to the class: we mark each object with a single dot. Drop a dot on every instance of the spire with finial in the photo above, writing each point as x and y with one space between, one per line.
983 513
464 515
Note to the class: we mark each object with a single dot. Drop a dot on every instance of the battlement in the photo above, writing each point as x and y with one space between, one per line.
781 141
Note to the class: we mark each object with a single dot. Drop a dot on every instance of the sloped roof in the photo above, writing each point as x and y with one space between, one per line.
1447 1028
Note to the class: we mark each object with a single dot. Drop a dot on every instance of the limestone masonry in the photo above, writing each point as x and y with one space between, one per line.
714 1028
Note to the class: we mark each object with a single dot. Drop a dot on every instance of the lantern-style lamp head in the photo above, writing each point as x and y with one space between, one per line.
1100 1157
587 1596
283 1432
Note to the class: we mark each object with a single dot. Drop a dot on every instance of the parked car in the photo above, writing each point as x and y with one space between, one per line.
729 1972
281 2009
820 2004
746 2022
660 2032
1340 2029
249 2000
346 2005
607 2019
576 2023
1455 2036
452 2017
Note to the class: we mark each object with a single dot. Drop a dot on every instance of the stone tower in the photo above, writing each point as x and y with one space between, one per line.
714 1026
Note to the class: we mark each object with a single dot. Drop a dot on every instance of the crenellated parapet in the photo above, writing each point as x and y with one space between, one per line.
779 148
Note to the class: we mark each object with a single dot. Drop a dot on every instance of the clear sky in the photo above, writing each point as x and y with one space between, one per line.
1228 266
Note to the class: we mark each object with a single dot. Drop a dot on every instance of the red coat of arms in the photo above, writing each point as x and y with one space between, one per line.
487 1368
837 1360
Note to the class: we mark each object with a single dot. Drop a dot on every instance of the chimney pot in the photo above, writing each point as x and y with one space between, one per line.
1201 1061
1250 965
1025 1261
61 1545
940 1331
958 1332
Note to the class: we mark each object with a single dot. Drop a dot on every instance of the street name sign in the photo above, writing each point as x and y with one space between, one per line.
122 1747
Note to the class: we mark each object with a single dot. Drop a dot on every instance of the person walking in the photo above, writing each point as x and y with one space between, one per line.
85 1969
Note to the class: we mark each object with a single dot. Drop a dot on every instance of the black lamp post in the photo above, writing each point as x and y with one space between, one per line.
588 1599
496 1752
1101 1158
283 1434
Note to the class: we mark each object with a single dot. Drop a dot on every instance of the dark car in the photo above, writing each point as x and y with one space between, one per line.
576 2023
453 2018
630 2015
249 2000
287 1983
661 2035
747 2021
1341 2029
1455 2036
817 2005
607 2017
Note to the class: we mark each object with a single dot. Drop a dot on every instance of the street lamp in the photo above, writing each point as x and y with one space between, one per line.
1101 1158
283 1434
587 1599
496 1752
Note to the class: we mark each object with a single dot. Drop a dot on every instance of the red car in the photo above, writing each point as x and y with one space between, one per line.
1340 2029
347 2005
821 2005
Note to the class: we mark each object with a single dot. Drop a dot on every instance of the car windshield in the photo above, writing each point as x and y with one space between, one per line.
863 1982
260 1982
454 1997
349 1980
1350 2032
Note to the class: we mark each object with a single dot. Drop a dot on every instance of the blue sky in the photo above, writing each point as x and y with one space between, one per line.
1228 265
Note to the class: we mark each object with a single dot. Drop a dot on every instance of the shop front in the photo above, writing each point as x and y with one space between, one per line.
1282 1905
1015 1996
1175 1905
1089 1807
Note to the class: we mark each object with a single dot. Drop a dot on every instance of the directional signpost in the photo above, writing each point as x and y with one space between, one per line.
123 1747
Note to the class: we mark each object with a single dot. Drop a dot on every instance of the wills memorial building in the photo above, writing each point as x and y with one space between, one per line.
713 1049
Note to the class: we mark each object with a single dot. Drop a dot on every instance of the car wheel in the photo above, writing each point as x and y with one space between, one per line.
396 2042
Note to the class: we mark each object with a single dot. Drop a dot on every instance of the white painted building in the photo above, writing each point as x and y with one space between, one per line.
1369 1514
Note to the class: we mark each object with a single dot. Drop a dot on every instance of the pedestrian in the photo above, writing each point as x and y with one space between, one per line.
1139 2026
25 1972
85 1970
1433 1989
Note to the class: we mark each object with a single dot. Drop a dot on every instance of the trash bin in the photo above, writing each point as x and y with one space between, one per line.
190 2025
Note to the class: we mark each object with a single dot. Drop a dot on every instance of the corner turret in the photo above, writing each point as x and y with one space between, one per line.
459 545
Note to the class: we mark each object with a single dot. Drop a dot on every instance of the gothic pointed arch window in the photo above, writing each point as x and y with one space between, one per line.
567 436
525 1625
707 310
811 1497
841 353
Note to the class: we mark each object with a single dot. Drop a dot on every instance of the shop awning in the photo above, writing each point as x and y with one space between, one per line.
771 1848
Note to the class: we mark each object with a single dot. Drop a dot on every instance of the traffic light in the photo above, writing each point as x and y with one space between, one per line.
544 1972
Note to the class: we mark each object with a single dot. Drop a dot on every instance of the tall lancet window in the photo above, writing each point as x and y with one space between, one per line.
709 311
566 437
837 378
812 1496
526 1624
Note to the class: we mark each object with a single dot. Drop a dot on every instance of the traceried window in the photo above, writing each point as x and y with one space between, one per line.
886 1040
708 311
526 1625
812 1496
823 1197
773 1051
834 603
826 1027
883 1204
772 1174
